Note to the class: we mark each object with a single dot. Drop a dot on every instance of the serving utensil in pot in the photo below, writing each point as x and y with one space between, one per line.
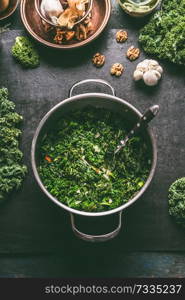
150 113
145 119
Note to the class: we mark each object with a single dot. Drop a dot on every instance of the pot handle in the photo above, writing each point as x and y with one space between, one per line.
101 81
96 238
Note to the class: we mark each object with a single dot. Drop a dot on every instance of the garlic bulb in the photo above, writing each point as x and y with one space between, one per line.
51 9
149 70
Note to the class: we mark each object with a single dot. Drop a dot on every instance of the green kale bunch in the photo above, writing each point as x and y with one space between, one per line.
12 171
164 35
24 51
177 201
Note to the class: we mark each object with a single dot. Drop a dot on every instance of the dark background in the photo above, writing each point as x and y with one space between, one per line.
36 239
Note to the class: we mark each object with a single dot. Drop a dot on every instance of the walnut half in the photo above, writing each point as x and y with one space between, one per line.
121 36
117 69
98 60
133 53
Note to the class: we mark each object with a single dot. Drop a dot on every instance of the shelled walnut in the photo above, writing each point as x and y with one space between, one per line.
117 69
133 53
98 60
121 36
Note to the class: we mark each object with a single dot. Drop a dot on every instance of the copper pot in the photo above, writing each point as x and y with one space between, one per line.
32 21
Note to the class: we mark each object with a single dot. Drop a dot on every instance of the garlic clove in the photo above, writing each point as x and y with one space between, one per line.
153 62
151 77
158 74
138 74
159 69
143 64
142 69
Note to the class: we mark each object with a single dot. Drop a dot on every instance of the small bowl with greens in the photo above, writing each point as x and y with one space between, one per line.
138 8
69 157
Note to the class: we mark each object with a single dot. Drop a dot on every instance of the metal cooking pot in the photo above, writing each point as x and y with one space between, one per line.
101 100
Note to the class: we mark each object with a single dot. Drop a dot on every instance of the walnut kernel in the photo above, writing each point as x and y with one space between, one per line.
121 36
117 69
133 53
98 60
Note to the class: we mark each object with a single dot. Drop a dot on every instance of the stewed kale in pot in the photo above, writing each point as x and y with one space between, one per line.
72 164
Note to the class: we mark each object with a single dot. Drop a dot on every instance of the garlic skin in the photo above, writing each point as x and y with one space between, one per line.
149 70
51 9
138 75
151 77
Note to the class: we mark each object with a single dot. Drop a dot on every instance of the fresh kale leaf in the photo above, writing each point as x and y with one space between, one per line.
25 52
12 171
177 201
164 35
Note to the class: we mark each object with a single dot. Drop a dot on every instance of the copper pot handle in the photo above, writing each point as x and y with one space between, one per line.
96 238
101 81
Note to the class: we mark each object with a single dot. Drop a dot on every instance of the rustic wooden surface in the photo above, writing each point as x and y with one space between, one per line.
35 236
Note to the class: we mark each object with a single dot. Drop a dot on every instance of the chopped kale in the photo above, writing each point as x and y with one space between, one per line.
73 167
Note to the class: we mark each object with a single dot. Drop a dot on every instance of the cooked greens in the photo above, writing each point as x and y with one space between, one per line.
12 171
164 35
72 162
177 201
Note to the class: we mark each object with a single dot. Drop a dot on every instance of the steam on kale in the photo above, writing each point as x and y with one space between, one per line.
12 171
164 35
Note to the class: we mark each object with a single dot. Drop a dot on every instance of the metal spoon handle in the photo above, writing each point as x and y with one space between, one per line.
144 120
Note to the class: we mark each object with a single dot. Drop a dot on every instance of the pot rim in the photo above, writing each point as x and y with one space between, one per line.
75 211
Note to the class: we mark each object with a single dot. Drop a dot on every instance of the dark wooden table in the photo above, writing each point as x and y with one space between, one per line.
36 239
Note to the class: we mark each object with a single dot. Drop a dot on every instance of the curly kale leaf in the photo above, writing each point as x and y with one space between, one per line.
12 171
6 106
164 35
177 201
24 51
